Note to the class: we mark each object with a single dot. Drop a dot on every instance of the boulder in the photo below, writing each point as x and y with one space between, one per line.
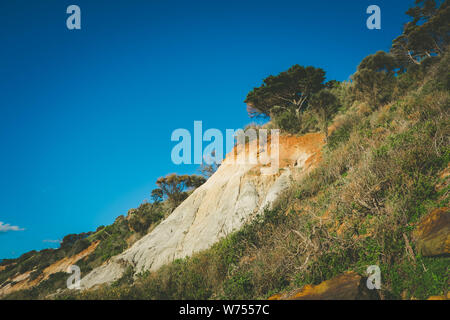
347 286
432 234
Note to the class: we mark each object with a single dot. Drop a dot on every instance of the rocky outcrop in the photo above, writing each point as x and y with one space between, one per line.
234 195
432 235
348 286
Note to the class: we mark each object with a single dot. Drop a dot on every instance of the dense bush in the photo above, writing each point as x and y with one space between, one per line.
144 216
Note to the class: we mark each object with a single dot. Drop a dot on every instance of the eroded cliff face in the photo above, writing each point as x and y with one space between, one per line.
233 196
24 280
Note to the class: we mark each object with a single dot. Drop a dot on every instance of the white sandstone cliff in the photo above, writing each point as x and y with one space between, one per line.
235 194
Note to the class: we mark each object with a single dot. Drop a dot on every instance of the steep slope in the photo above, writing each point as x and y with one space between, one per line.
231 197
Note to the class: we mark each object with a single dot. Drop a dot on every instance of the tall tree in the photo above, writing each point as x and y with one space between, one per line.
374 77
288 91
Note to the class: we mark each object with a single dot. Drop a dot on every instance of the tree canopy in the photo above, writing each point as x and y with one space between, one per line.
373 79
427 34
157 195
174 187
290 90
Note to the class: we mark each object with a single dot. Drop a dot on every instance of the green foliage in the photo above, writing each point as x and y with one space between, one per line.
420 280
290 90
375 78
287 121
238 287
112 241
174 187
144 216
286 96
344 95
70 240
339 136
325 104
80 245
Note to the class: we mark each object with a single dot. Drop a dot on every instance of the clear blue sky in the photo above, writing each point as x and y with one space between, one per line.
86 115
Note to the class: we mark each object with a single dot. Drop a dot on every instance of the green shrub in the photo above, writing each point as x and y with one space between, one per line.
238 287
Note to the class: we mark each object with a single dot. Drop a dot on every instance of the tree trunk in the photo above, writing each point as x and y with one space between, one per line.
413 60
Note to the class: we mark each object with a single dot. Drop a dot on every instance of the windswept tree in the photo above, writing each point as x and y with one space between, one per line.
175 187
427 34
287 93
324 103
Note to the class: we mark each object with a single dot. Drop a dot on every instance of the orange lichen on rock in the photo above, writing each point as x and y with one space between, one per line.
444 176
275 297
432 234
440 297
300 151
347 286
341 287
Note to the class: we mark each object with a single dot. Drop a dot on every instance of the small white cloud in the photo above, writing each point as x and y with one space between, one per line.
7 227
51 241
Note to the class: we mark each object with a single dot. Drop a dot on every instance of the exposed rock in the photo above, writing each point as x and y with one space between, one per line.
277 296
447 297
348 286
432 234
234 195
444 178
